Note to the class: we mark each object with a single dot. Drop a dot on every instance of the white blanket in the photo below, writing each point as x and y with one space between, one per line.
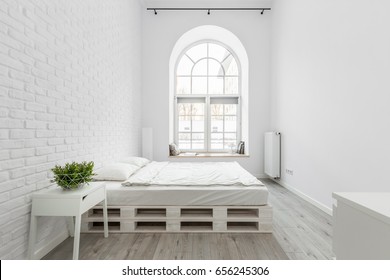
192 174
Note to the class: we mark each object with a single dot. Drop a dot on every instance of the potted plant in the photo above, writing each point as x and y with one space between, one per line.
73 175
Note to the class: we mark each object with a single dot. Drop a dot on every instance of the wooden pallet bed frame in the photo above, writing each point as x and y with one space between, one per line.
130 219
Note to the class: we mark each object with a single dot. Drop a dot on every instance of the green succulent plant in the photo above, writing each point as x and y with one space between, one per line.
73 175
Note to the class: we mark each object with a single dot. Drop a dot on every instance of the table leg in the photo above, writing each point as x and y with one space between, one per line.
105 218
76 243
32 237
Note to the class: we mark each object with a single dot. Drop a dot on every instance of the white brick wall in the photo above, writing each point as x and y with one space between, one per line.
69 91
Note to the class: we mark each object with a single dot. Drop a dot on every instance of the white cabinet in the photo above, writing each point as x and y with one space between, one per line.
361 226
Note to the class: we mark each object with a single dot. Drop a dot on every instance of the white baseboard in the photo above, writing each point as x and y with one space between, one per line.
307 198
45 249
261 176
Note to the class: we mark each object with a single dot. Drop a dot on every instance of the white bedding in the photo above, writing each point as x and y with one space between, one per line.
153 195
192 174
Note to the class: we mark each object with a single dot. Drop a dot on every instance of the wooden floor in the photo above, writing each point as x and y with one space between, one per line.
301 231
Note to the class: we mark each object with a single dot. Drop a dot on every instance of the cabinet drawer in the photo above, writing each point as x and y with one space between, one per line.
92 199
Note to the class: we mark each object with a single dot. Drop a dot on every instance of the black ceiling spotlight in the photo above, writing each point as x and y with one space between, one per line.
209 9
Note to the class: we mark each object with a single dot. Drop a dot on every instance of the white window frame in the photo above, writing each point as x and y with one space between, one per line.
208 97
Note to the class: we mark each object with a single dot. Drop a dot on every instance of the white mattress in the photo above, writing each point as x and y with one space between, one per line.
192 174
118 195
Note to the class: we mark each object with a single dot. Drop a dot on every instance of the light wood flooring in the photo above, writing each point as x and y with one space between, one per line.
301 231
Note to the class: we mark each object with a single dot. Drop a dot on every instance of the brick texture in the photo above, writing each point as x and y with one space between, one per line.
69 91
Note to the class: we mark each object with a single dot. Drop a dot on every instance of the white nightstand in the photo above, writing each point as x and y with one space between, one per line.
58 202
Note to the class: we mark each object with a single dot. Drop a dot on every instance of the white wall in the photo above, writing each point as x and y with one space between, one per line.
331 94
70 90
160 33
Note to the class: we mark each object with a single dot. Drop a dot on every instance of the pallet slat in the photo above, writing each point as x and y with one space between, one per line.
127 219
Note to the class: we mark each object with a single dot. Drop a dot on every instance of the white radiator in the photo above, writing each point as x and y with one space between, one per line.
272 154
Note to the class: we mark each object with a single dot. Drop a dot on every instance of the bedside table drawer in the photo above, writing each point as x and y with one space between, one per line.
92 199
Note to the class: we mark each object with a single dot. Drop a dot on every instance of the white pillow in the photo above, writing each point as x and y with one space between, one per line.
115 172
137 161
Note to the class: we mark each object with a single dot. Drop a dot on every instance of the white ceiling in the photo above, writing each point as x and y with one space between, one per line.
206 3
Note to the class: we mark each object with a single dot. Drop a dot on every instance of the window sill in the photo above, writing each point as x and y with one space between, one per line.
207 155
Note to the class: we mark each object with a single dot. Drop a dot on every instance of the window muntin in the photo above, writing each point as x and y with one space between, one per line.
207 99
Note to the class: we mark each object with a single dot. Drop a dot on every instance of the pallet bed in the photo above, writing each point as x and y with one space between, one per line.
184 197
128 219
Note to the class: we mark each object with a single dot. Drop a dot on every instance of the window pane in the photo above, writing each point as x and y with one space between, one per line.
231 85
198 109
184 145
230 140
216 124
217 136
198 141
230 124
215 68
184 140
197 52
199 85
230 109
185 66
184 136
216 109
216 141
198 145
216 145
218 52
198 136
200 68
230 66
191 125
230 136
183 85
197 123
230 145
215 85
184 124
184 109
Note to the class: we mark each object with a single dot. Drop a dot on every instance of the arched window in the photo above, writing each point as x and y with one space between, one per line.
207 98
